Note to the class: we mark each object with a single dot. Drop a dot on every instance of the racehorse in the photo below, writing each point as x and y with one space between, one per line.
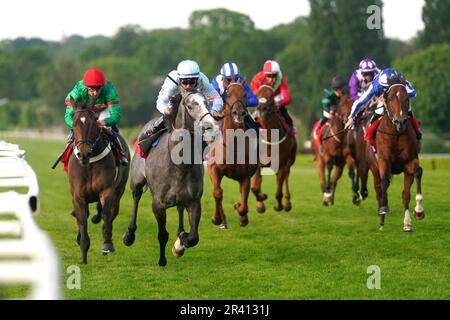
269 119
172 182
397 151
94 176
335 154
239 151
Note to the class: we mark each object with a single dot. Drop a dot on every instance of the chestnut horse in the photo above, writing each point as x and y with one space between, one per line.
241 152
269 120
335 154
94 176
397 151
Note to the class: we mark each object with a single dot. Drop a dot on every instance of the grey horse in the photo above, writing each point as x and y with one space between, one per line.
173 183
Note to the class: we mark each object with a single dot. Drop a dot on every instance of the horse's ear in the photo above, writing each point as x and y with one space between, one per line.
244 79
226 82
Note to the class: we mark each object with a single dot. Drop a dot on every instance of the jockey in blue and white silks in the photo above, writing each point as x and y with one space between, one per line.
228 71
378 87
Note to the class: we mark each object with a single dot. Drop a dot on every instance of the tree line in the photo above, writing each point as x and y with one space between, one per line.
36 75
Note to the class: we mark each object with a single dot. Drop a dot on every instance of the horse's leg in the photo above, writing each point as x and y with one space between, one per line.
191 239
363 171
320 166
163 235
356 200
242 206
97 217
377 187
180 210
339 168
406 196
287 196
129 237
419 211
107 199
81 208
256 189
328 194
281 174
218 218
385 179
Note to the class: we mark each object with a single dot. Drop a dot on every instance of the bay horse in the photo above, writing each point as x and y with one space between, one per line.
230 147
336 153
94 176
397 151
172 182
269 120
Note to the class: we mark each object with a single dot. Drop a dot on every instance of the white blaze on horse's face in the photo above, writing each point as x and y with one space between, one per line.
83 119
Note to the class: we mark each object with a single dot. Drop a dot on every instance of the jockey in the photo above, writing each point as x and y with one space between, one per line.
187 76
330 101
379 86
229 71
271 75
95 86
362 78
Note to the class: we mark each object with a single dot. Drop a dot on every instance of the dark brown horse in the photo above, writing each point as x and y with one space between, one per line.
94 176
282 150
397 152
335 154
238 144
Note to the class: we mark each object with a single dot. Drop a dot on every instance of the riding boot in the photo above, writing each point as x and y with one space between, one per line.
147 138
323 119
123 157
286 116
415 123
371 129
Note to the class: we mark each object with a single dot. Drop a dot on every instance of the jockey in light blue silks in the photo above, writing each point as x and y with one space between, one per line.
378 87
187 76
230 71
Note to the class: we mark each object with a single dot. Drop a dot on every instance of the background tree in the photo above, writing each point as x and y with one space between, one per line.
436 17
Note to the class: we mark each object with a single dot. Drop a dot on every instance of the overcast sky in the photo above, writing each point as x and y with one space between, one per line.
53 19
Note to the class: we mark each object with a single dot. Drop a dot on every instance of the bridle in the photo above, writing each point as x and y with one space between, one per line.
386 101
89 143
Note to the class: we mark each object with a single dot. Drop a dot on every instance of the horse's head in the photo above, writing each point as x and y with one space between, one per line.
344 108
235 104
266 102
397 101
85 130
193 114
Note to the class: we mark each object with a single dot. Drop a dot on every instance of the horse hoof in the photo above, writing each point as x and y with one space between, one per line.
325 204
278 208
215 221
383 210
223 226
162 262
407 228
287 208
243 222
419 215
356 200
96 219
261 209
128 238
381 228
107 248
177 253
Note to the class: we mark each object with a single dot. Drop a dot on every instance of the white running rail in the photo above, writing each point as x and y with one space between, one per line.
27 256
